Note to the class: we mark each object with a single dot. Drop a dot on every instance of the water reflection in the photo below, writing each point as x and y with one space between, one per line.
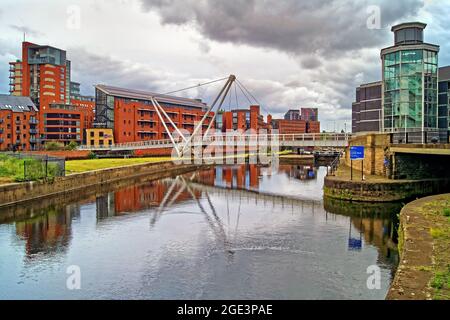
257 218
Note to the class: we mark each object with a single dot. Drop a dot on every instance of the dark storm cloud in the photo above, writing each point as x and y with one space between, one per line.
292 26
91 69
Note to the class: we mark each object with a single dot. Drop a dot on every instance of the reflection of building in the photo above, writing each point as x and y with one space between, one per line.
299 172
49 232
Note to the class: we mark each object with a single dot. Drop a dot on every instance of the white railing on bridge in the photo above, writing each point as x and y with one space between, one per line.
293 140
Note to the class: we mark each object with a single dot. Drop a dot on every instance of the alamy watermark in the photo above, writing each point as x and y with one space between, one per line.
374 280
73 281
230 147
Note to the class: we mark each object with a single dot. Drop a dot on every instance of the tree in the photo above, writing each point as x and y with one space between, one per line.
72 146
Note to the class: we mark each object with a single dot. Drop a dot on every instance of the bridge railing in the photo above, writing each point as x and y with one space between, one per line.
236 138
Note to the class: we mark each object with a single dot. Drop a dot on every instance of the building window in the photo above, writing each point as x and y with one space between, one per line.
92 134
92 142
110 142
101 142
100 134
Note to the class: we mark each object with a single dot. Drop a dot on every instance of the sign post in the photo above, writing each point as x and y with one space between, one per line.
357 153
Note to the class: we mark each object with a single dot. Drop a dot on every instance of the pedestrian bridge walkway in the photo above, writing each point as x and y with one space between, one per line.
332 140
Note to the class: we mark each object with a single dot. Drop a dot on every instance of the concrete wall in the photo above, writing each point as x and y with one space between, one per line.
376 146
20 192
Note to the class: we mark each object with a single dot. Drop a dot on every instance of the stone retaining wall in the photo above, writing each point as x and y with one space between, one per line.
383 191
20 192
417 252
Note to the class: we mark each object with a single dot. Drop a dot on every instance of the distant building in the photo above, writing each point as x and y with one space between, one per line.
44 75
99 137
241 119
366 111
289 126
18 123
309 114
444 99
410 81
131 115
292 115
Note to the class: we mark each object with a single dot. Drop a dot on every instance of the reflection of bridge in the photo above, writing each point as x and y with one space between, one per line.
183 184
335 140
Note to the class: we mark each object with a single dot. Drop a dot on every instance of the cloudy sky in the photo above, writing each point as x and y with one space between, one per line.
288 53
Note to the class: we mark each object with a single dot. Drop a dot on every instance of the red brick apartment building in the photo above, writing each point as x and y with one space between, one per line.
43 74
241 119
300 121
18 123
132 116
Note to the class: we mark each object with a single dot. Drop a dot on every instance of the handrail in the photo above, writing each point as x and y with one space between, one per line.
224 137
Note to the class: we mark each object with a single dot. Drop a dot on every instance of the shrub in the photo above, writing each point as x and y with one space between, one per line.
92 155
54 146
446 212
72 146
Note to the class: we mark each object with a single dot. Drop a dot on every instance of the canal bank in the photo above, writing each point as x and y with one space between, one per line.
374 188
15 193
216 233
424 240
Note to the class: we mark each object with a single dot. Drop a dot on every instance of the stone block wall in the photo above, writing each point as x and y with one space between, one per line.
376 146
19 192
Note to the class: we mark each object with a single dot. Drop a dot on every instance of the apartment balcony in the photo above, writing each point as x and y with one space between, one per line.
18 122
32 121
1 140
33 140
33 131
1 130
1 121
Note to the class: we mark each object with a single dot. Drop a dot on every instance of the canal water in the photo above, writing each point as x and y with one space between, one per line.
229 232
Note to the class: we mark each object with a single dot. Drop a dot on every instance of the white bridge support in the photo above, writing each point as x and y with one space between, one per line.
324 140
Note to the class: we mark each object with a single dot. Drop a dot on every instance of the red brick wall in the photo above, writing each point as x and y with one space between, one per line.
130 121
291 126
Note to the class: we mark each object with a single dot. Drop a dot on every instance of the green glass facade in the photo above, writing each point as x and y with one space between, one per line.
410 89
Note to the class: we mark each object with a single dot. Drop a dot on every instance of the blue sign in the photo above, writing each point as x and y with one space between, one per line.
354 244
357 153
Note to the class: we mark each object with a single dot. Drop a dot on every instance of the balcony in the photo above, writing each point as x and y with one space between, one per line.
1 140
1 130
18 122
32 121
33 131
1 120
33 140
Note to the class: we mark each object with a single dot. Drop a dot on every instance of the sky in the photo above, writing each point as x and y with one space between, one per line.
288 53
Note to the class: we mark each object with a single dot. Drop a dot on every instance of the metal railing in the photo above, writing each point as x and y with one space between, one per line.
331 170
37 167
319 137
420 137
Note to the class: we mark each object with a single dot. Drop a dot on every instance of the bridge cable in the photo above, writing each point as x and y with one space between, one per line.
196 86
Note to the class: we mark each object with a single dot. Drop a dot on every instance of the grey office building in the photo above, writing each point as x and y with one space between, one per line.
366 111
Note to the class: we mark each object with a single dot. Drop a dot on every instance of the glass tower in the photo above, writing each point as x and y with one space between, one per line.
410 81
